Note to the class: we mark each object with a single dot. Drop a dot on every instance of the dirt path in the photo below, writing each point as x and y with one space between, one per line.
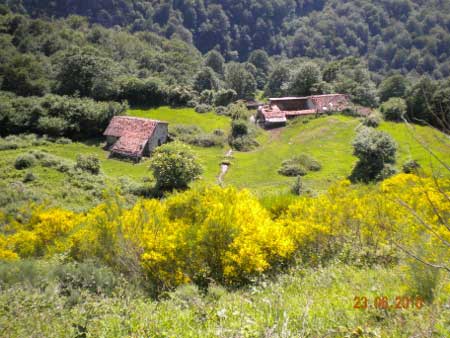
224 167
275 133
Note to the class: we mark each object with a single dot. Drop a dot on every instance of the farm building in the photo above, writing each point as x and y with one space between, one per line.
280 109
134 137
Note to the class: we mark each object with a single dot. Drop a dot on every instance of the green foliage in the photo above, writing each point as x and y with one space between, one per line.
58 115
89 164
305 80
203 108
351 76
25 161
239 128
392 86
239 79
29 177
373 120
299 166
193 135
298 187
394 109
424 279
69 56
277 78
411 167
224 97
215 61
174 166
376 150
206 79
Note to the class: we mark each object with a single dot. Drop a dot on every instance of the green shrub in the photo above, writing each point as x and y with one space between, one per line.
54 126
224 97
243 143
292 170
24 161
411 166
174 166
375 150
299 166
203 108
207 140
192 134
63 140
29 177
207 97
373 120
85 276
88 163
298 187
220 110
239 128
394 109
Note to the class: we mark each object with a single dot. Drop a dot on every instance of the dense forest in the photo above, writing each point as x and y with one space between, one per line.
405 35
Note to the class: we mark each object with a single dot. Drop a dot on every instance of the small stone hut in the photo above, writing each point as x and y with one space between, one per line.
134 137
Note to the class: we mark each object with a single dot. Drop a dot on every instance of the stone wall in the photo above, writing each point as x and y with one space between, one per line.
159 137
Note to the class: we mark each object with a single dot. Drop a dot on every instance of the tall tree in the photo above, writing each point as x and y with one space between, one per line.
240 80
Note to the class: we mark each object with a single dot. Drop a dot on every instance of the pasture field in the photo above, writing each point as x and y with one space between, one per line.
328 139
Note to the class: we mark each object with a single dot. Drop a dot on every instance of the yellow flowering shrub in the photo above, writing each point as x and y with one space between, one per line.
44 234
227 236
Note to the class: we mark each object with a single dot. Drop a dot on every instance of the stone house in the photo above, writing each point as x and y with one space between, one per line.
134 137
279 110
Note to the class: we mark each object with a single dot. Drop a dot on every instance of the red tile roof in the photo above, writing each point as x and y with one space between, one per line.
133 134
333 102
321 103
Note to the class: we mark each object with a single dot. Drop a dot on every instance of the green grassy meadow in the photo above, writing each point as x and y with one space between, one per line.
304 303
328 139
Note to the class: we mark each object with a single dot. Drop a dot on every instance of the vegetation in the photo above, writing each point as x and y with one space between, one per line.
376 151
174 166
410 36
229 229
299 166
394 109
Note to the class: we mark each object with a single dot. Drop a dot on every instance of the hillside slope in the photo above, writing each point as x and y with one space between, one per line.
327 139
409 35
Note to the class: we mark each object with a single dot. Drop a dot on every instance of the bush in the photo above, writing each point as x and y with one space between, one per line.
375 151
88 163
63 140
24 161
53 126
75 277
29 177
174 166
243 143
207 140
207 97
394 109
411 167
373 120
298 187
239 128
292 170
224 97
203 108
299 166
220 110
192 134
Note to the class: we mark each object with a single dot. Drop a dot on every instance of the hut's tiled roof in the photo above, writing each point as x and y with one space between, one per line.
133 134
321 103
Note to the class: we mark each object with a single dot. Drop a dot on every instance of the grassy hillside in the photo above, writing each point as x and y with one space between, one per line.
305 303
327 139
